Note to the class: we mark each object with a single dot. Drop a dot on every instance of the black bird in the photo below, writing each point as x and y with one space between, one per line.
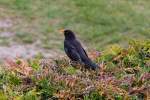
75 51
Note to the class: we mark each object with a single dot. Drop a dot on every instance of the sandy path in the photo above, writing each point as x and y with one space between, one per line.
14 49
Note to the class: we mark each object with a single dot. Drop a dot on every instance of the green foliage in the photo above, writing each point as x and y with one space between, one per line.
70 70
118 97
13 79
35 64
3 96
31 95
124 75
46 88
94 96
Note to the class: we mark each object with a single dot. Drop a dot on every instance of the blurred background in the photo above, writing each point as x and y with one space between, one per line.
30 27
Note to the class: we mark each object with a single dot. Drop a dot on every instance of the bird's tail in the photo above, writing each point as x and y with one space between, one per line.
92 65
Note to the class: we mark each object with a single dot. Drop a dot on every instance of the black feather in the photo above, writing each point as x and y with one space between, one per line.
75 51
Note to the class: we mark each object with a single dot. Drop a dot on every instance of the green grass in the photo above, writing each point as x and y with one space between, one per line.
97 23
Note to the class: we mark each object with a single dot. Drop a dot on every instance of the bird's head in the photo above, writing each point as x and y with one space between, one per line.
69 35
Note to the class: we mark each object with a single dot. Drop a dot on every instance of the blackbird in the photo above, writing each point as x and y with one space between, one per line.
75 51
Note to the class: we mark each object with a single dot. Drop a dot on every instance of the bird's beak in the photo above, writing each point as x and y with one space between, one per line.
61 31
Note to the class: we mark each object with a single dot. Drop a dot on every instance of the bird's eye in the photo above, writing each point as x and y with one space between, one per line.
66 32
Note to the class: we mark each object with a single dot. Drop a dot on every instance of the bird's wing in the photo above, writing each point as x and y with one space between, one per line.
85 52
87 61
81 50
71 51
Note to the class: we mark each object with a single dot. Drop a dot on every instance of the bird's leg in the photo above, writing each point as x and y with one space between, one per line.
70 62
